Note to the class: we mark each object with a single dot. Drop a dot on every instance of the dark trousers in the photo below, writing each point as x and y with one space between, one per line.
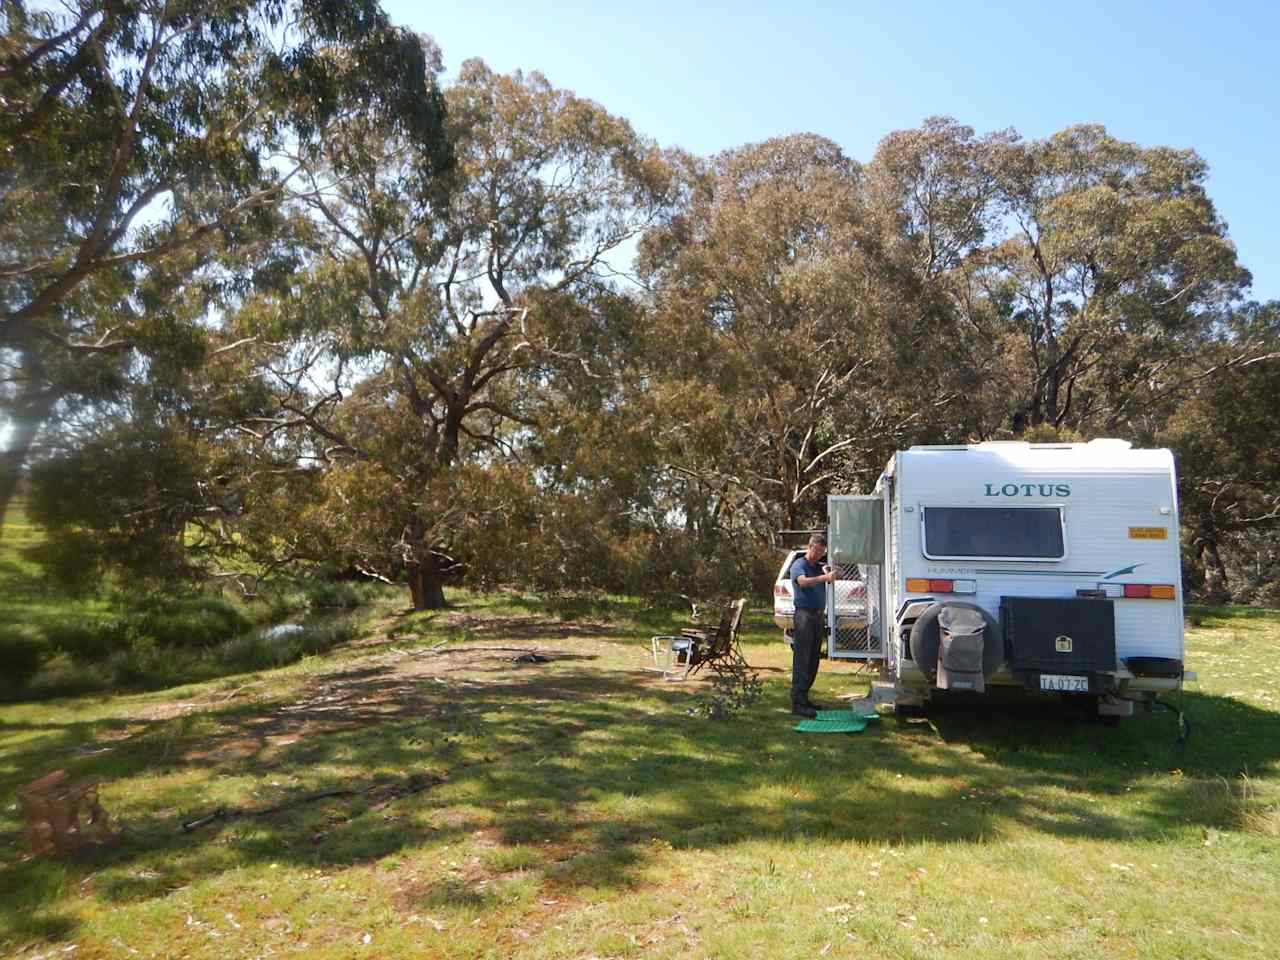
806 639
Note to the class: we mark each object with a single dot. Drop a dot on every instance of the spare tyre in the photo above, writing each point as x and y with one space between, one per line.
926 636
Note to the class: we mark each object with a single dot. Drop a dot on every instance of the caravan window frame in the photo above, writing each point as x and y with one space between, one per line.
1062 526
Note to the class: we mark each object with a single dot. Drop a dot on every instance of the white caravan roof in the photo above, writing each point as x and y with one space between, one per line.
965 471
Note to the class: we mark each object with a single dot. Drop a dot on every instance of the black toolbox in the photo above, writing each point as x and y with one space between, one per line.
1059 635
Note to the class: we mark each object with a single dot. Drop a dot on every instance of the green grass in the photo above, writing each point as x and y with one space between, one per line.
19 533
56 645
574 808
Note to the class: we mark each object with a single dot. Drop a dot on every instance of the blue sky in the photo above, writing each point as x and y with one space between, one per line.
708 76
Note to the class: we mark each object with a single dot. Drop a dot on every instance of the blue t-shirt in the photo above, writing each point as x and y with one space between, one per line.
812 597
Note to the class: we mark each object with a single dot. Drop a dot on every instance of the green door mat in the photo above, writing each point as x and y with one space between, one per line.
837 721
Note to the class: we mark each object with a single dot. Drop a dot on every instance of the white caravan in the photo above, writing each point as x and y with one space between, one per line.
1053 567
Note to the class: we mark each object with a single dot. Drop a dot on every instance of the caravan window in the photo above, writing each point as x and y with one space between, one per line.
997 533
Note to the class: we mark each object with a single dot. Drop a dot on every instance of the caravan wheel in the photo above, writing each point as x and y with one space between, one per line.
926 636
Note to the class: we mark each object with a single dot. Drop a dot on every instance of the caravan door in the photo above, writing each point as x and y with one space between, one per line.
855 538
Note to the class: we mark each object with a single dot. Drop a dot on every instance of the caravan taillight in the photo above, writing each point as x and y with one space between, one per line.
921 585
1149 591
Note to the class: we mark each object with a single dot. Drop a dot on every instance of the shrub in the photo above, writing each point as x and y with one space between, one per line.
61 676
247 653
148 664
321 637
262 650
23 649
734 687
190 622
276 605
340 594
88 640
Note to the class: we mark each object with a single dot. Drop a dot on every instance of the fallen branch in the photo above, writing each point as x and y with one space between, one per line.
415 784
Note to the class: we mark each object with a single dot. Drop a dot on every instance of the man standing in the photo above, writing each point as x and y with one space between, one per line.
809 577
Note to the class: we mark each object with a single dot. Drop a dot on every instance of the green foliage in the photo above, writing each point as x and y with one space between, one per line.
188 622
193 622
23 650
1228 464
109 108
154 650
143 150
734 687
264 650
340 594
55 644
1047 433
449 389
423 367
276 604
90 639
122 499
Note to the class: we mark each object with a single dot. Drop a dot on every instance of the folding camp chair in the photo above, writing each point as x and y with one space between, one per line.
695 648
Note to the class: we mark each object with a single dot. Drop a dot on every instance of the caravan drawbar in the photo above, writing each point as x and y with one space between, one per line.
1053 567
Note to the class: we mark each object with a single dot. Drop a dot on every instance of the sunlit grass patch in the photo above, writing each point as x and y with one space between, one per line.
419 623
513 858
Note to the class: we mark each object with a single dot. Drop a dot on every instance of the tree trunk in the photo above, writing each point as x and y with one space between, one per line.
432 588
415 584
1216 588
426 585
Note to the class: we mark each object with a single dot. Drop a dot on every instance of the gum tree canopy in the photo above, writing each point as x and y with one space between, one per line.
137 137
431 323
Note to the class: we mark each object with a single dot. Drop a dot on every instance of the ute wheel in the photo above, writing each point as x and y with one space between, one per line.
926 636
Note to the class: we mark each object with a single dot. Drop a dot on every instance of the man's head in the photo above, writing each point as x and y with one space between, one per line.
817 547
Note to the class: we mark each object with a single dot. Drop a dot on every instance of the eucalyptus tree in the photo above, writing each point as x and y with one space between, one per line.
435 323
766 279
935 204
1080 273
1114 268
1223 431
141 137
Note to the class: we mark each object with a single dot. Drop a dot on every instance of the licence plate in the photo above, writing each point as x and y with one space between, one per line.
1062 683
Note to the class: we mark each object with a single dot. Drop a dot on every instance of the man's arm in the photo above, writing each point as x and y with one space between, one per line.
801 580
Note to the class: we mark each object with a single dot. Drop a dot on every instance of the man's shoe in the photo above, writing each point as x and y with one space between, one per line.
813 706
804 710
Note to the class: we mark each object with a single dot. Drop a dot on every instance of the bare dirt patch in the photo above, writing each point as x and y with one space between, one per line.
211 702
393 684
472 659
527 626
